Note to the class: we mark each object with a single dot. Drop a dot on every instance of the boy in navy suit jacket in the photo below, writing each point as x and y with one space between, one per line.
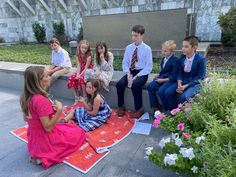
191 69
167 75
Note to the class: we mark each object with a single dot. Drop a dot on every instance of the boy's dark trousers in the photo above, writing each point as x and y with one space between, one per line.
136 89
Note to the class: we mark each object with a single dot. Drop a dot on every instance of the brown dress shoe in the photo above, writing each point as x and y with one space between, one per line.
120 112
138 114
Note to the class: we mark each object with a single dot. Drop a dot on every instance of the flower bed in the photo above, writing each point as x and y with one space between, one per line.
203 133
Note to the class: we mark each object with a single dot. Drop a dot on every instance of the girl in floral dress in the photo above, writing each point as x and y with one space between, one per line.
103 69
84 61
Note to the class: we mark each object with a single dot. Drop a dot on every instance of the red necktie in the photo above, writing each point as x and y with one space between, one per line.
134 59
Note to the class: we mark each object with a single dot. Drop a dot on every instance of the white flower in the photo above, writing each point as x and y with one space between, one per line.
174 136
170 159
148 150
163 142
157 113
199 139
187 152
194 169
178 142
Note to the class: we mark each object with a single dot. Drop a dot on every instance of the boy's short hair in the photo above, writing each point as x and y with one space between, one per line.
138 29
193 40
170 44
55 40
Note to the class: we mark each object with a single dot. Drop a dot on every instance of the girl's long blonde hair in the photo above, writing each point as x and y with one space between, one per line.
86 42
32 77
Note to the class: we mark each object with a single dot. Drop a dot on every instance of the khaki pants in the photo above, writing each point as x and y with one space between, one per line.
59 73
56 75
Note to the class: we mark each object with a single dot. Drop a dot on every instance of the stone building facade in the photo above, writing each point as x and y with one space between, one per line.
17 16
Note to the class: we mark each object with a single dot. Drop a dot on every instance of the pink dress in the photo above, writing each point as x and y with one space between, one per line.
50 147
76 83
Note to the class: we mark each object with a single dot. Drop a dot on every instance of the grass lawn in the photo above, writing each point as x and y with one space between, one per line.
41 54
33 53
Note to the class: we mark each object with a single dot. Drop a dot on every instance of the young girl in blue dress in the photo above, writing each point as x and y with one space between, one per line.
95 111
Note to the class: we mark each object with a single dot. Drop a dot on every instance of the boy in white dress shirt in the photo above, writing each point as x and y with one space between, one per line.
60 63
137 62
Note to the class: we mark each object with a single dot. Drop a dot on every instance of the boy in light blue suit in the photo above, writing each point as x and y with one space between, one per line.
191 69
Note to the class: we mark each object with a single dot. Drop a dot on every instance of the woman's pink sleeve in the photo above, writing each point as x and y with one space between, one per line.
42 106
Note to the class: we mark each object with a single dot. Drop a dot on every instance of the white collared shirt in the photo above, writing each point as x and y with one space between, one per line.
189 62
165 60
61 58
144 62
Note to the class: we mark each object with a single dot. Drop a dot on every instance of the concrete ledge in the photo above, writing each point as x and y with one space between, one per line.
11 76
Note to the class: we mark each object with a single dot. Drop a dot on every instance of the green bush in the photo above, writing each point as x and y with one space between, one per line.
218 160
199 118
59 32
219 97
39 32
80 35
2 40
227 23
23 41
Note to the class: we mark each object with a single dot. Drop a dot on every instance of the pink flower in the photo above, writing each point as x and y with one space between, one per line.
187 109
156 123
180 105
188 105
186 135
174 111
181 126
160 116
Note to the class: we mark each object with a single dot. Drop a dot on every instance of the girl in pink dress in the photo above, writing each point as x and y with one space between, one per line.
84 61
49 142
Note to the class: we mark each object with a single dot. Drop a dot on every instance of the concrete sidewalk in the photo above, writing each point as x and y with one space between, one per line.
126 159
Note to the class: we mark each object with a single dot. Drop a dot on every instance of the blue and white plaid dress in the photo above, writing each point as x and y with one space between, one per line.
89 122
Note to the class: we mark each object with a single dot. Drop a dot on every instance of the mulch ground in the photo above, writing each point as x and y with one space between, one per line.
221 57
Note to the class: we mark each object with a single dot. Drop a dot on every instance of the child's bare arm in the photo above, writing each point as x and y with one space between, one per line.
51 67
96 105
87 106
88 61
78 67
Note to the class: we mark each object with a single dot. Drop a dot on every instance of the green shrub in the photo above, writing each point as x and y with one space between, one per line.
222 134
199 117
59 32
39 32
23 41
80 35
218 161
227 23
219 97
2 40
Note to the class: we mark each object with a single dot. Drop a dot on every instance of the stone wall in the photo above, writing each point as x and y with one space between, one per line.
17 16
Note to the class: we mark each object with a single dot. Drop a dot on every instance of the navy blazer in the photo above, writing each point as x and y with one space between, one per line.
198 70
170 69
